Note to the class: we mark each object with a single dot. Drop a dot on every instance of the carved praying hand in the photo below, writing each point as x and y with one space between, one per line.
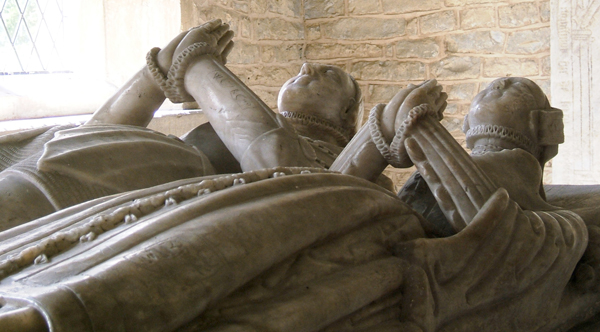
377 144
459 185
428 96
215 33
396 111
138 99
407 131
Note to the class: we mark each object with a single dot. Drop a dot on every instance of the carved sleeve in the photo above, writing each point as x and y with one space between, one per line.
522 259
255 135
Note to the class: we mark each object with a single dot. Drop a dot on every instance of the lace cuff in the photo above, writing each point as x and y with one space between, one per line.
159 77
394 153
176 89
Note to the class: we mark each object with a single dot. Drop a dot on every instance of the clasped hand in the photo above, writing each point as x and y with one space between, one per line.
215 33
396 111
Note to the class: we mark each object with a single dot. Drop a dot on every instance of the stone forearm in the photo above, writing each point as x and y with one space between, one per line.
360 157
234 111
134 104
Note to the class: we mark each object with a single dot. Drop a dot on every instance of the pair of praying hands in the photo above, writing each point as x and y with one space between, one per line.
418 138
395 118
396 111
215 34
135 102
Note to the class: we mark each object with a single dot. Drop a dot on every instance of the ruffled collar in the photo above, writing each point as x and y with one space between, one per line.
314 123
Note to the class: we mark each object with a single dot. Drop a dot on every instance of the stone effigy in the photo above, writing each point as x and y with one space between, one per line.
112 153
307 249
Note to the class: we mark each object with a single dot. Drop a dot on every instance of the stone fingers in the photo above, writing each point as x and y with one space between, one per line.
436 90
421 157
473 178
435 97
225 44
226 51
452 176
225 39
440 105
429 84
210 25
221 29
214 33
460 187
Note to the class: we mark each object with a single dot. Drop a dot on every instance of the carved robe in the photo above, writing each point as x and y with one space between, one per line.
71 165
288 249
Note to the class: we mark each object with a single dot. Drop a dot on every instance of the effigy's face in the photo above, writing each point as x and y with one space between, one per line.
506 102
504 96
320 90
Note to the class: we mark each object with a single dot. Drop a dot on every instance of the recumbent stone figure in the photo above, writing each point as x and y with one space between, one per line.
112 153
305 249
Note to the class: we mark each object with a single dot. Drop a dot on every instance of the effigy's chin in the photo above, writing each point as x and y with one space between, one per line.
280 248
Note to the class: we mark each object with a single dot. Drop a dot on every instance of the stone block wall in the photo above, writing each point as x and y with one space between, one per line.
269 39
387 44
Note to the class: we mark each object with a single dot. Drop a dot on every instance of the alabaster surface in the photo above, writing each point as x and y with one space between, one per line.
114 227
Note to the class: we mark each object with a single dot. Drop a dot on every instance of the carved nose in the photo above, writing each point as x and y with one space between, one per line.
500 84
307 69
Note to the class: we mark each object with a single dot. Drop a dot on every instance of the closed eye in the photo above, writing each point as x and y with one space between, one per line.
334 75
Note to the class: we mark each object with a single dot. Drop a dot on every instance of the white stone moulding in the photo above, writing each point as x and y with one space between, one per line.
575 54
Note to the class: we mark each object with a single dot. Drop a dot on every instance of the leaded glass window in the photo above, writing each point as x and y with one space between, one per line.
32 37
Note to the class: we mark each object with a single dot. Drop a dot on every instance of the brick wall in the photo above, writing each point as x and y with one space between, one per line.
386 44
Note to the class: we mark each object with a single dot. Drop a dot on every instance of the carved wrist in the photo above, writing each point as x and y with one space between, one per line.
377 136
397 145
395 152
176 88
154 69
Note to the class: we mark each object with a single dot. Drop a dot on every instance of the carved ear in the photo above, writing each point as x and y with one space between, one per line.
465 126
550 127
349 107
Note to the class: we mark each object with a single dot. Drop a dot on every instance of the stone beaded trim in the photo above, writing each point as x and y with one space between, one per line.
391 152
176 89
159 77
129 213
